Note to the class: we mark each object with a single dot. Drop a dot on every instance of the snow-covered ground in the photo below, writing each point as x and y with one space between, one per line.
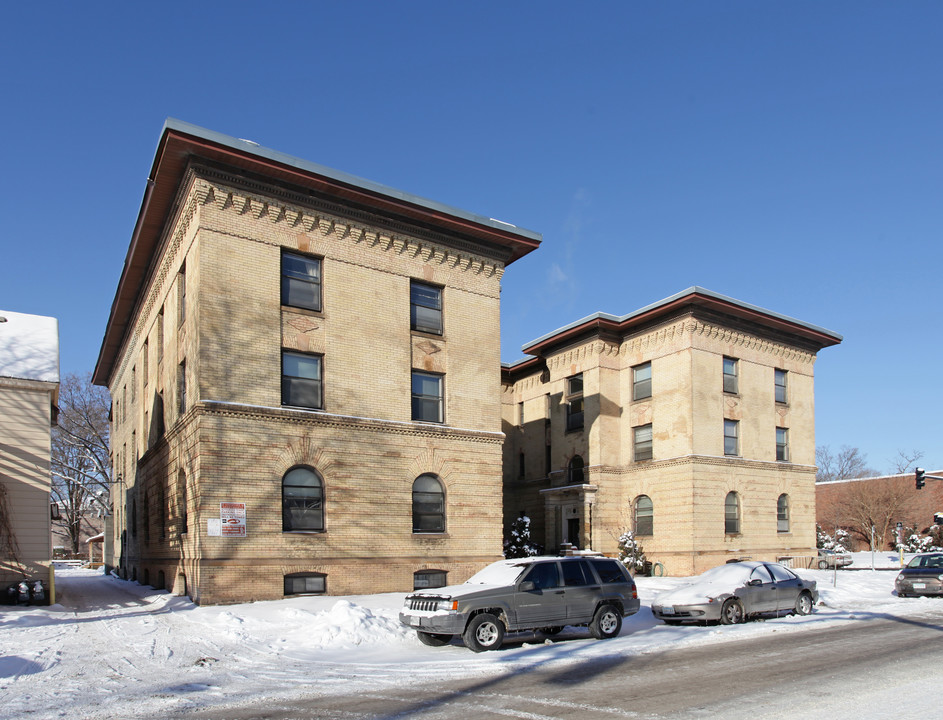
116 649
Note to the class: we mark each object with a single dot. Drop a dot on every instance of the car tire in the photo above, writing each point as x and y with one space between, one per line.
731 612
823 564
607 622
433 639
552 630
804 604
484 632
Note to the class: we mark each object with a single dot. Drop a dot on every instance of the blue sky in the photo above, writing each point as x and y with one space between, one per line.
785 154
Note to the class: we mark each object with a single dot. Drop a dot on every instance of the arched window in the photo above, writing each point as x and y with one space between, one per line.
428 505
302 500
782 514
644 515
732 514
575 471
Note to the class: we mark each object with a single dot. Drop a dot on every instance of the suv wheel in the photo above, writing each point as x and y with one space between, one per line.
607 622
484 632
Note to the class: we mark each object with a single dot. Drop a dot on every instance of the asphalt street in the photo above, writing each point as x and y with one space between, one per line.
872 667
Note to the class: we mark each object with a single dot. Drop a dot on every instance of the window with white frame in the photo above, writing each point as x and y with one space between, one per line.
642 381
782 514
427 397
644 515
731 372
425 308
731 437
301 380
779 382
732 514
643 442
782 444
301 281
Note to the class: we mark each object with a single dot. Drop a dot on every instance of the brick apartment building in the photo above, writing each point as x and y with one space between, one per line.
307 396
305 376
690 421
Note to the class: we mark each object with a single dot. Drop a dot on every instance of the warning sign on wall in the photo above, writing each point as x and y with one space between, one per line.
232 518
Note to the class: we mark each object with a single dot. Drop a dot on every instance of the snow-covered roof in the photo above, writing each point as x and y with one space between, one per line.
29 347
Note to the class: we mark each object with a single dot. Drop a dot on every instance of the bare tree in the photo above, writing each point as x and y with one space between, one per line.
879 502
906 461
849 462
81 469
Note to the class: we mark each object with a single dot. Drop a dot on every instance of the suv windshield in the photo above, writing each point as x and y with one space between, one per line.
503 572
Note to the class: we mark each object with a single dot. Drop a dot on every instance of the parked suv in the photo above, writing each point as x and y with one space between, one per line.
539 593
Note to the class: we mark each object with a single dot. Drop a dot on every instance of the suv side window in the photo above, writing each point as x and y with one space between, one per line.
609 571
544 575
576 573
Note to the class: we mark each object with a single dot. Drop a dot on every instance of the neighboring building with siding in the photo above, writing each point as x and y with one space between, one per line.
305 376
29 389
690 421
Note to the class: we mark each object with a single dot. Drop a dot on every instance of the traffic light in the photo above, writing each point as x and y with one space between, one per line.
919 476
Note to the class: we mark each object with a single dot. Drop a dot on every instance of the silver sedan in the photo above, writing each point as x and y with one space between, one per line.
734 592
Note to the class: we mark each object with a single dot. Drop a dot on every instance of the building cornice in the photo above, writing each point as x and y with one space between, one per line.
346 422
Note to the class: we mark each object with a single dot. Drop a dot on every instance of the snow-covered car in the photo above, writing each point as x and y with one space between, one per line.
537 593
734 592
923 575
831 559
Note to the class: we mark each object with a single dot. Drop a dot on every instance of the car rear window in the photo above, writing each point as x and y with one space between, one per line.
609 571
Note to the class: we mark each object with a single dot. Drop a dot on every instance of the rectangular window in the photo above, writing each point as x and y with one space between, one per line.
426 579
181 295
144 362
305 584
643 442
520 414
780 384
731 437
182 387
782 444
425 308
301 281
301 380
134 383
427 397
642 381
574 402
730 375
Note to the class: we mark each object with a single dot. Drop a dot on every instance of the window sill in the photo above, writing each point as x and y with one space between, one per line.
304 532
431 534
304 311
427 334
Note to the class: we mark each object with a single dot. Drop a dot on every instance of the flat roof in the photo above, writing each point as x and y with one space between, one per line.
180 142
693 296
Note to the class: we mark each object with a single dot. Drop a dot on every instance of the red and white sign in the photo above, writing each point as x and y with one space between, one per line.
232 517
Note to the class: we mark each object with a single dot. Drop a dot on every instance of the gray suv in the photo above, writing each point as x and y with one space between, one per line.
538 593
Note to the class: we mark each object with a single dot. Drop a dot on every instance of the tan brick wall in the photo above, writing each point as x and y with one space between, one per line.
235 441
689 476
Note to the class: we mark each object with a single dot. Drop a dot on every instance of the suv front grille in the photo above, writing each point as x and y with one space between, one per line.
423 603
